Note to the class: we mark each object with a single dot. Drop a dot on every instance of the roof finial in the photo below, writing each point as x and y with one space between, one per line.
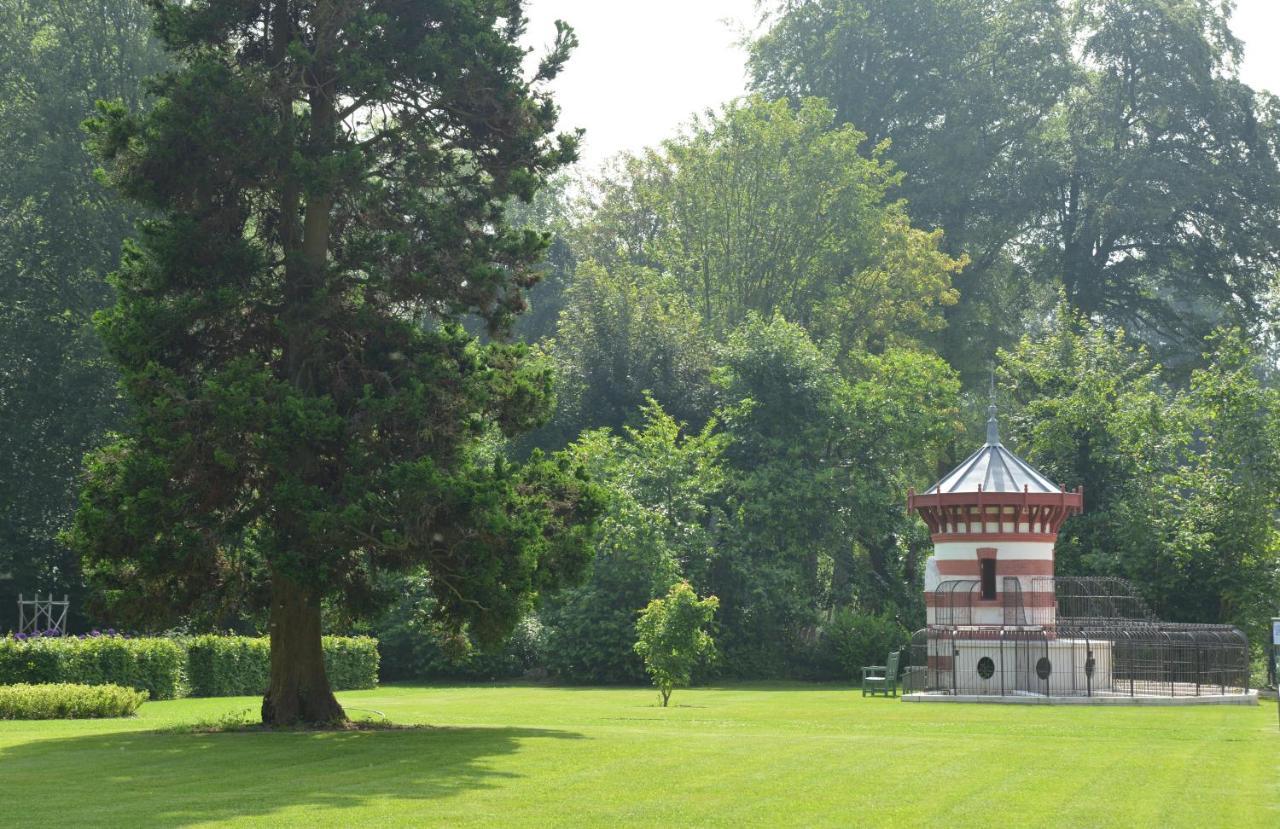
993 428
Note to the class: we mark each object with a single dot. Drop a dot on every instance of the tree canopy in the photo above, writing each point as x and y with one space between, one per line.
60 230
768 208
1109 147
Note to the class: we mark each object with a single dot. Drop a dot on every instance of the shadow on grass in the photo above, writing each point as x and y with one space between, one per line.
171 778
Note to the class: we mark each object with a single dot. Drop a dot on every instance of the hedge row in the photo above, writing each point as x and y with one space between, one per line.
229 666
63 701
154 665
201 666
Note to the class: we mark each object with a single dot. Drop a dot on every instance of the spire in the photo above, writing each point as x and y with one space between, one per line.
993 428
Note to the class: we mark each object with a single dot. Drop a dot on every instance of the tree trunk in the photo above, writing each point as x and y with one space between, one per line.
299 690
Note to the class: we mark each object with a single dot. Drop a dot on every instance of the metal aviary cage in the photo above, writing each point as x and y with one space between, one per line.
1104 642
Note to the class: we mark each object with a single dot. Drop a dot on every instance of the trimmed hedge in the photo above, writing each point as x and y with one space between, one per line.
228 666
154 665
64 701
351 662
199 666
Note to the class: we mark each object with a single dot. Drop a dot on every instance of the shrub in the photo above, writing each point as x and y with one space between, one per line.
223 666
67 701
228 666
414 646
154 665
351 662
167 668
857 639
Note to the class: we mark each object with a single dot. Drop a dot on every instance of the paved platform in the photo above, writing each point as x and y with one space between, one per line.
1250 698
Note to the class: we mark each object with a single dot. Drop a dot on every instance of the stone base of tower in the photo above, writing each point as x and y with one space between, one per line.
1249 697
1105 659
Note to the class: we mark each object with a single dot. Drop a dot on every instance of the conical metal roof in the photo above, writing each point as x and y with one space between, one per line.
993 468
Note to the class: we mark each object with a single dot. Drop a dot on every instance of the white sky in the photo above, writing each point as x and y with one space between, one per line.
644 66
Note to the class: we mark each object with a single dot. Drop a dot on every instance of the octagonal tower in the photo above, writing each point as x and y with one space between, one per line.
994 520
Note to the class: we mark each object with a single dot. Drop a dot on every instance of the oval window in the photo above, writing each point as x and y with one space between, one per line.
986 668
1044 667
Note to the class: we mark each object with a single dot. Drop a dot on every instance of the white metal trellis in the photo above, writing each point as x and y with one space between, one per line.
41 614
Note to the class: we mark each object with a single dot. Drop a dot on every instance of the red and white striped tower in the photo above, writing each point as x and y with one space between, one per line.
993 517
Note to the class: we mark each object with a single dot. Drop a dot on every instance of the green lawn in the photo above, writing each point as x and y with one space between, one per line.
743 755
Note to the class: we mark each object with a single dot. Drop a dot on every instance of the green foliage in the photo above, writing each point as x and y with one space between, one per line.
1108 147
154 665
819 482
228 666
59 231
409 652
960 90
413 644
767 208
672 639
201 666
351 662
1166 176
328 184
626 335
664 504
1180 485
64 701
856 640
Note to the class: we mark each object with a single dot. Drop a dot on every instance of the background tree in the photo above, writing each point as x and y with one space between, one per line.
1137 171
672 637
961 92
664 510
817 486
767 208
1166 215
1180 483
623 336
329 180
59 231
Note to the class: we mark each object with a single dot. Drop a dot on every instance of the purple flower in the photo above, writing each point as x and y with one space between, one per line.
95 632
21 637
111 631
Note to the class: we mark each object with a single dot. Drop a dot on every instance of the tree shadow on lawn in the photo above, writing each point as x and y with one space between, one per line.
171 778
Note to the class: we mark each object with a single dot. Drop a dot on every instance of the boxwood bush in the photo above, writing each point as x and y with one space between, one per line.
222 666
62 701
154 665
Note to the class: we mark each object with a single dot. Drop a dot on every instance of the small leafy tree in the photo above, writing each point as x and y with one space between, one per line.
672 637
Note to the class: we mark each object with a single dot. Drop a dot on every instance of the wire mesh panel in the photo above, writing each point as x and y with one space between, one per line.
953 602
1015 613
1090 598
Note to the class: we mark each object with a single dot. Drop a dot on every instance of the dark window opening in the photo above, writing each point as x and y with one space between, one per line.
986 667
988 571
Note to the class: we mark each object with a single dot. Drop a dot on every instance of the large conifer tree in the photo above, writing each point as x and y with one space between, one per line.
328 180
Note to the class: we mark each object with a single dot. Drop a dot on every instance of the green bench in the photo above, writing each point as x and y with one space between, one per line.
882 678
